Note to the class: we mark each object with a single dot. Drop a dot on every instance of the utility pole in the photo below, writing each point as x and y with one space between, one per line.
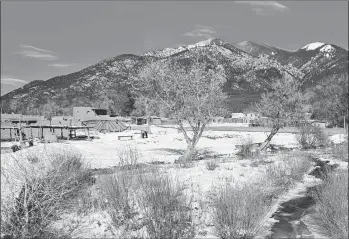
20 129
344 121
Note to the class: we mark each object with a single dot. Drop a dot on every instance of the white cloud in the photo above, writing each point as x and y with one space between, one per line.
33 48
201 31
12 81
59 65
37 53
264 8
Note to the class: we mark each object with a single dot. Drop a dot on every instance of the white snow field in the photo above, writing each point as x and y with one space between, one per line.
167 145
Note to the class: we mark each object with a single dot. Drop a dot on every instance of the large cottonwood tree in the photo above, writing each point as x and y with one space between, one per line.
192 94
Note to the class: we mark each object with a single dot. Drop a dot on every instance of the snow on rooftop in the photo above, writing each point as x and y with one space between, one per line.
313 46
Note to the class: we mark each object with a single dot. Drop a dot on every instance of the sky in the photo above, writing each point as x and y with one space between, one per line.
41 40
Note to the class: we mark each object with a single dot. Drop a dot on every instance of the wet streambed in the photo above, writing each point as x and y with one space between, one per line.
290 213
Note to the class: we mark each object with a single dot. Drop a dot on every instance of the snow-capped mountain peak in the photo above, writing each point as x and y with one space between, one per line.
327 48
170 51
207 42
313 46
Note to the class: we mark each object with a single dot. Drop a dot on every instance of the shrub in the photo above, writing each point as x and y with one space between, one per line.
116 191
128 156
289 170
340 151
211 165
183 163
46 191
311 136
238 211
247 148
143 198
167 211
332 204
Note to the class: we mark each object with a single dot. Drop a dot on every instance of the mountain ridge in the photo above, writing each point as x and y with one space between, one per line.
105 79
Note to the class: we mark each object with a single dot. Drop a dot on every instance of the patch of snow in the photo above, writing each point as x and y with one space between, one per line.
313 46
224 51
327 48
170 51
201 43
165 52
338 138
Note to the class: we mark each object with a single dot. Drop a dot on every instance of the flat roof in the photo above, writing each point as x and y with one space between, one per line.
49 127
57 126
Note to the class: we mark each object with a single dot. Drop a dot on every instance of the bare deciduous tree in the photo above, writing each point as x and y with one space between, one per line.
193 94
285 103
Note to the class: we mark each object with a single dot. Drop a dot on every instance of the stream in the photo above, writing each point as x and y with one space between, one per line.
290 213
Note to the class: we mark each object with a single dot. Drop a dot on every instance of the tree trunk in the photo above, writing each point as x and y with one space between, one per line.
188 156
148 125
194 141
268 139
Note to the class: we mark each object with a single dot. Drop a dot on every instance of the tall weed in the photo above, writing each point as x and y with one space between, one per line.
332 204
238 211
42 190
311 136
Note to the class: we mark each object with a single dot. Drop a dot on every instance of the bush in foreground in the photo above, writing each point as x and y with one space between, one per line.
332 204
118 195
289 170
238 211
147 202
49 189
167 210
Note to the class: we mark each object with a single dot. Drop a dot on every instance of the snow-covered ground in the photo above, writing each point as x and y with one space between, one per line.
167 145
338 138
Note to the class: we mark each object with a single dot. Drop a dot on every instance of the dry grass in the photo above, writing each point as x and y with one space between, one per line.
310 137
146 201
332 204
42 189
238 211
118 196
128 156
247 149
289 170
340 151
167 210
212 165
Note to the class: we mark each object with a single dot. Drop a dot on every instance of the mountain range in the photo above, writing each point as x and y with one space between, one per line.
108 80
